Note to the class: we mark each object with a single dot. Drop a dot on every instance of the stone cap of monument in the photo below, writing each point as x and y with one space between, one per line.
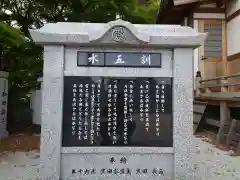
117 33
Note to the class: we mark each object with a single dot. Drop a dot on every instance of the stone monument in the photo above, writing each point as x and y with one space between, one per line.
3 104
117 101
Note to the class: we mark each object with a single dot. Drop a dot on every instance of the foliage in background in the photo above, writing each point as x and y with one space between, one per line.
23 59
32 14
20 57
11 41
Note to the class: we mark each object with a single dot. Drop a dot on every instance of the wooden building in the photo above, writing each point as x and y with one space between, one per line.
220 55
217 87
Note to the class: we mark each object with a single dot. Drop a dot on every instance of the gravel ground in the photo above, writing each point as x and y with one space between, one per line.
210 163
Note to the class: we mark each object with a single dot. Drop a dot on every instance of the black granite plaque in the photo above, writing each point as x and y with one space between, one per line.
105 111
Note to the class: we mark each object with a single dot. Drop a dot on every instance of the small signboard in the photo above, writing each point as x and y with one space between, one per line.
105 111
119 59
3 106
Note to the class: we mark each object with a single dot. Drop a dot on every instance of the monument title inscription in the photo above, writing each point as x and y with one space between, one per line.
119 59
117 111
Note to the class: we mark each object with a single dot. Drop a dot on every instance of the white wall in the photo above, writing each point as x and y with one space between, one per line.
3 104
195 54
36 104
211 5
233 28
233 6
209 16
184 21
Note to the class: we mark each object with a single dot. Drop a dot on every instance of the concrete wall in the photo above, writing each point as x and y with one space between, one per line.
233 29
36 99
36 105
233 36
196 53
233 6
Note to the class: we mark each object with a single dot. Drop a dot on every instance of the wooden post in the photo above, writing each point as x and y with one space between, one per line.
201 50
224 116
224 49
231 132
224 88
207 90
238 148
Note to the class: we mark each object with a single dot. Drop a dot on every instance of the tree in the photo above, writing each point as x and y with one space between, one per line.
23 59
18 54
10 38
32 14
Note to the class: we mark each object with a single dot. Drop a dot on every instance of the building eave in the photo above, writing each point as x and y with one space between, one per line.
172 14
174 11
183 2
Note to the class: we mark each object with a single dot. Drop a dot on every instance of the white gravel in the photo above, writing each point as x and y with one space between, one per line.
210 164
19 166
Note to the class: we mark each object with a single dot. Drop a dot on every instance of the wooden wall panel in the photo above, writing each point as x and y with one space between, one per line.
213 44
220 71
234 66
213 61
212 69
